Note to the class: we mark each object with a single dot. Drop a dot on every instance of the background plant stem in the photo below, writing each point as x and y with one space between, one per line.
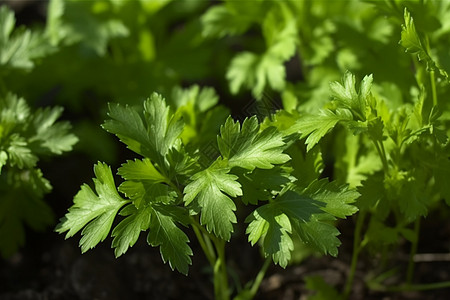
411 264
357 246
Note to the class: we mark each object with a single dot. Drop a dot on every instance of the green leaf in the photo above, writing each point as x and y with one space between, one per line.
306 166
315 127
194 97
297 206
144 191
319 234
346 94
127 232
259 222
209 188
163 125
25 136
241 71
356 163
308 212
313 227
14 118
161 220
140 170
51 136
220 21
272 222
94 212
15 113
274 226
414 44
281 37
338 198
260 183
201 114
151 135
20 154
411 40
277 241
181 163
88 23
143 183
248 148
127 124
172 240
19 48
256 72
270 71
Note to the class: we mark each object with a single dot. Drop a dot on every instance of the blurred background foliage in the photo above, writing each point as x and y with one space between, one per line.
88 53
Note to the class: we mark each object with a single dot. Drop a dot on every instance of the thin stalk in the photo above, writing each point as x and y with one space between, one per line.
221 289
433 88
357 246
256 284
218 293
432 77
205 243
382 153
412 253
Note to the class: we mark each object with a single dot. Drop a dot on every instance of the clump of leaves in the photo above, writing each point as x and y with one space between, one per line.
25 137
174 186
19 47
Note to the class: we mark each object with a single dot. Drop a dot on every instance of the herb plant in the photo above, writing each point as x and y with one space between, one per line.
171 187
26 136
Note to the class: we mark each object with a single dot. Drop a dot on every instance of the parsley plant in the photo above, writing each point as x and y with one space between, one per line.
166 190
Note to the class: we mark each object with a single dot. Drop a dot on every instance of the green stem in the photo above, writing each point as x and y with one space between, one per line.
433 88
221 289
205 242
410 271
256 284
382 153
357 246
